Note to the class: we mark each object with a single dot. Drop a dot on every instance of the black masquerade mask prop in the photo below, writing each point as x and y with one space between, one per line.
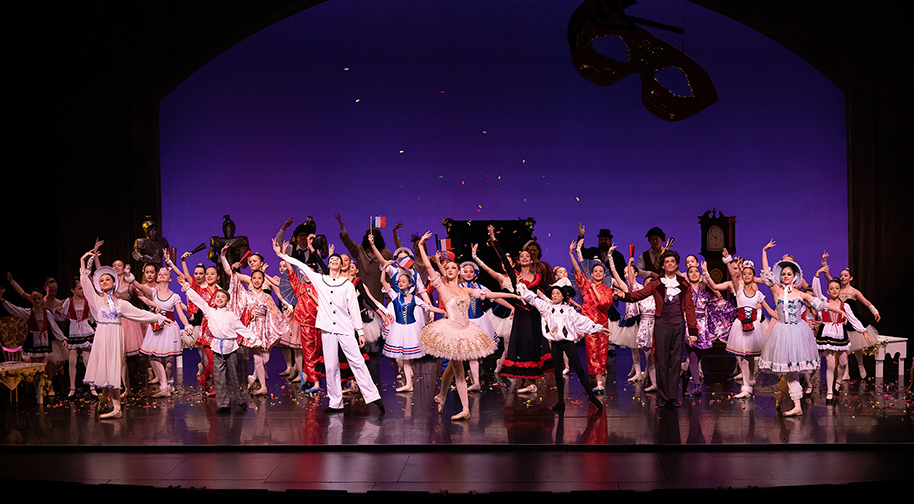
647 55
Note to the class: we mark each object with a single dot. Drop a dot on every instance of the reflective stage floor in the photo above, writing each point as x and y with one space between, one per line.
512 442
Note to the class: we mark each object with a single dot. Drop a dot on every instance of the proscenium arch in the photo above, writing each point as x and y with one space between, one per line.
221 28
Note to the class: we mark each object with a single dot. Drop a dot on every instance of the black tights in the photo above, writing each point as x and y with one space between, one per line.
574 361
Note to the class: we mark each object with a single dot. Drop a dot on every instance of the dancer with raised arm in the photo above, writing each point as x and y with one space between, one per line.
597 299
163 343
832 338
104 367
747 335
859 340
339 320
455 338
791 347
225 327
563 326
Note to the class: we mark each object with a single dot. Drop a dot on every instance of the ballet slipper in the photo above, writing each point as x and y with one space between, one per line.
529 389
251 381
862 372
163 392
463 415
440 401
635 378
405 388
72 393
743 395
472 388
200 368
651 388
95 392
260 392
287 372
566 371
796 411
738 377
631 372
829 398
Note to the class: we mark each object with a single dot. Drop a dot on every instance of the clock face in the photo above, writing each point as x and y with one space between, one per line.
715 238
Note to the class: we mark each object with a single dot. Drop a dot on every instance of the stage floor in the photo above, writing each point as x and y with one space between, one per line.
512 443
869 411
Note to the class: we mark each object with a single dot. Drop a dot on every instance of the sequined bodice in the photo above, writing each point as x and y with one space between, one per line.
458 309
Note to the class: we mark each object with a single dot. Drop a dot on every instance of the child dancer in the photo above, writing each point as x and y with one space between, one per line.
832 339
402 342
225 327
80 334
563 326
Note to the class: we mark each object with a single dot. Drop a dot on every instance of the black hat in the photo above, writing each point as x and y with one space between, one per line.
604 233
655 231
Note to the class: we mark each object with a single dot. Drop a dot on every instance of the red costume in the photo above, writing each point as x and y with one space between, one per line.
595 309
308 337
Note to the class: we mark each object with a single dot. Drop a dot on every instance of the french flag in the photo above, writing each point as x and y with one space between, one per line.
377 222
445 244
405 262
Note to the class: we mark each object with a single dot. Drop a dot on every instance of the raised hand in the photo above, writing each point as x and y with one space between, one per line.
398 225
769 245
287 224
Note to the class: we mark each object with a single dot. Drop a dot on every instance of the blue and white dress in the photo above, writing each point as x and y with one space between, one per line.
402 340
791 345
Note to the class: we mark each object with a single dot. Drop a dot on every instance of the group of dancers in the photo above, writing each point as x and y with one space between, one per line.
333 323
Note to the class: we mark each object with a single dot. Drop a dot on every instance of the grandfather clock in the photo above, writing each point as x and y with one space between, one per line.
717 232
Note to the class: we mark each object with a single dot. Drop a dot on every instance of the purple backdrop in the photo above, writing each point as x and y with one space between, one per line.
420 110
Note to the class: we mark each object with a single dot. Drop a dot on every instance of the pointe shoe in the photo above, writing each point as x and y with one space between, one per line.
743 395
260 392
71 393
200 369
406 388
796 411
95 392
472 388
463 415
528 389
635 378
440 402
566 371
862 373
162 393
111 414
251 381
632 373
738 377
